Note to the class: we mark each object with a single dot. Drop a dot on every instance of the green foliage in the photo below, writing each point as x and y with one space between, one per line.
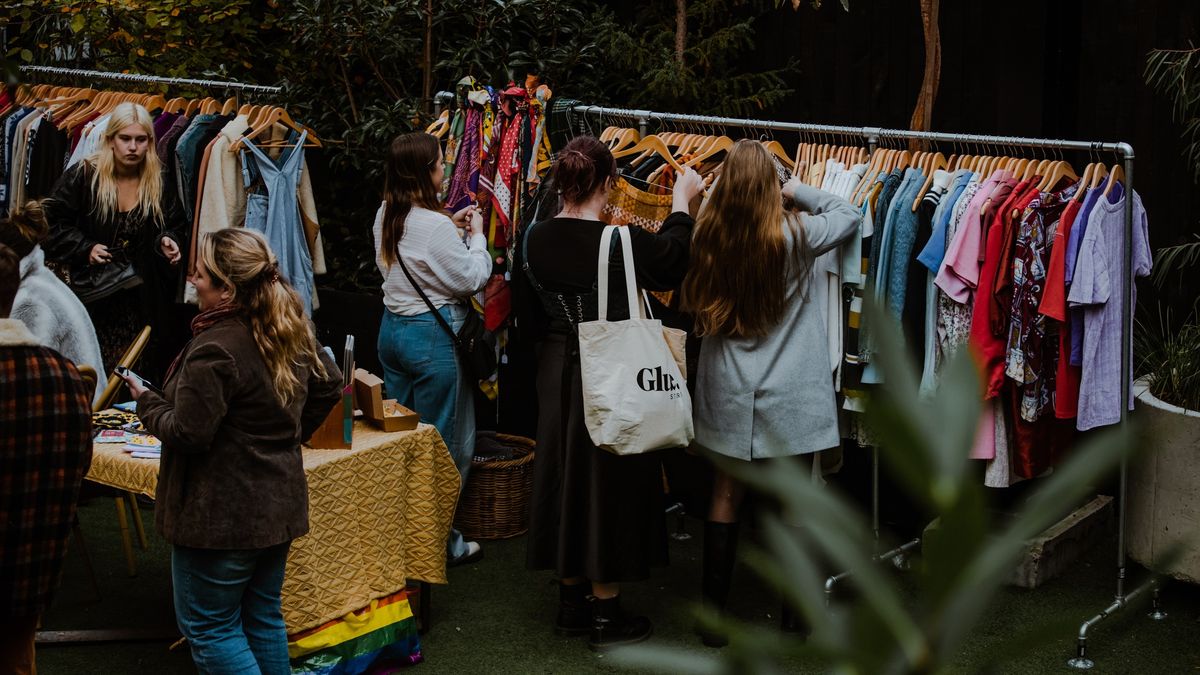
180 38
1169 354
966 556
708 80
1176 73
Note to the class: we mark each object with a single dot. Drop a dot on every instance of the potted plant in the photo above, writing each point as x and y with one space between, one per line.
1164 487
1164 481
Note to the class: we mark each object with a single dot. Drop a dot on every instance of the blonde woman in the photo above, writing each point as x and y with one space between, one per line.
246 391
764 387
112 209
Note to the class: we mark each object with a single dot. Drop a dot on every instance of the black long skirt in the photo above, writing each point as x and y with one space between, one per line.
594 514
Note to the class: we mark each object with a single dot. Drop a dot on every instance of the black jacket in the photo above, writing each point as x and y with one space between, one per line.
75 227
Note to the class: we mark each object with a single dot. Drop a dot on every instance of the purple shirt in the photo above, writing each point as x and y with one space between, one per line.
1097 288
1074 315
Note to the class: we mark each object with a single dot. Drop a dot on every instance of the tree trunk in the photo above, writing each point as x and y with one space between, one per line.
427 65
680 31
922 117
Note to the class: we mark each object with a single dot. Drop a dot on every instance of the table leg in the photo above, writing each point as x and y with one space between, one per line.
126 543
426 606
137 521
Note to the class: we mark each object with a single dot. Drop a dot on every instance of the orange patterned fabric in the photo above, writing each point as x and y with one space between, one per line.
628 205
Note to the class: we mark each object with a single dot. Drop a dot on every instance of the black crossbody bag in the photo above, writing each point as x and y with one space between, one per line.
475 344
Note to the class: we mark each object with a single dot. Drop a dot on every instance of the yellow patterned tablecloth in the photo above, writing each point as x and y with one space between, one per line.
379 514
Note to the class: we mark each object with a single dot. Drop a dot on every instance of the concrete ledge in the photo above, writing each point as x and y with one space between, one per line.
1060 546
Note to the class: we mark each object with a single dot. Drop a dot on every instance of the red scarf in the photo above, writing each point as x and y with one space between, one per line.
203 321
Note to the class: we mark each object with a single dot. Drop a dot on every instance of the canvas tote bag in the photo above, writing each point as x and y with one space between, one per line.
634 397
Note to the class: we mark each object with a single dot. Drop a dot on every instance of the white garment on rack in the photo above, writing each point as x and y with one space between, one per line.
89 140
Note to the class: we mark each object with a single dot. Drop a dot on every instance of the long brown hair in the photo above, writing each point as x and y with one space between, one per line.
241 261
737 278
408 183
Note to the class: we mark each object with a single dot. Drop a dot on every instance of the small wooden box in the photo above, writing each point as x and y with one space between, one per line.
337 431
396 417
387 415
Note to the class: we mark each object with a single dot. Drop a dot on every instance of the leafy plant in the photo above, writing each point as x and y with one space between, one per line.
966 557
179 38
1169 354
696 69
1176 73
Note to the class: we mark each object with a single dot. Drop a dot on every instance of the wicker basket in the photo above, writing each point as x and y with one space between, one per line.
495 504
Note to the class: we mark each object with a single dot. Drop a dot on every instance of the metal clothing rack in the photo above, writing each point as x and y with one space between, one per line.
152 79
872 136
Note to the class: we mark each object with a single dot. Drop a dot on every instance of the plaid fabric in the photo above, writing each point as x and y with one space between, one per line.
45 450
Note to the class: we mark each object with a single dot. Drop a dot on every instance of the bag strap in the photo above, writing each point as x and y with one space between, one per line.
602 264
433 310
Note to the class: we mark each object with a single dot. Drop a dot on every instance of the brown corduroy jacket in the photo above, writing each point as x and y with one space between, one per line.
231 475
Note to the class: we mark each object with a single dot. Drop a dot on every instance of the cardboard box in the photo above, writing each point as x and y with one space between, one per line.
396 417
368 394
387 415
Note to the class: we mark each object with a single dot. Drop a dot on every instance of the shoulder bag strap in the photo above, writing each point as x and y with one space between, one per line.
436 314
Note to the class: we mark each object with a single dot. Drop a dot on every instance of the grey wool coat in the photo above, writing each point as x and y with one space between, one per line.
772 396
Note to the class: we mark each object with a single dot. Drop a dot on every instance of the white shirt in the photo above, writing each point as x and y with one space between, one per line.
89 140
436 257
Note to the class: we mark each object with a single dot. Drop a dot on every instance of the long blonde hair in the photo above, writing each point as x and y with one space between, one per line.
240 260
737 279
104 178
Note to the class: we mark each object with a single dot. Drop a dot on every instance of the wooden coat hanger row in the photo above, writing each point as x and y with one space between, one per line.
81 104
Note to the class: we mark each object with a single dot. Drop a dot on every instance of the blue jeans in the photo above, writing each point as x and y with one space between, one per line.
227 605
421 371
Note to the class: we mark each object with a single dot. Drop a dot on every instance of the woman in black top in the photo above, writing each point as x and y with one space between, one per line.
113 209
596 517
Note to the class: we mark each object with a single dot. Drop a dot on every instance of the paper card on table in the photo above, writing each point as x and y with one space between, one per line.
112 436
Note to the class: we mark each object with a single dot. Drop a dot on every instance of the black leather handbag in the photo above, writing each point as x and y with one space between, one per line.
93 282
475 344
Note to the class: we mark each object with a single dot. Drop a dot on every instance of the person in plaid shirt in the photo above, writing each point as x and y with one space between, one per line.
45 450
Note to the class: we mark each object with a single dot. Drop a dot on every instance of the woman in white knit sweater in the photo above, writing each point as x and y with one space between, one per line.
420 365
50 310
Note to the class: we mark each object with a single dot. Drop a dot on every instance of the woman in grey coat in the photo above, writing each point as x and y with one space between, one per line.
763 387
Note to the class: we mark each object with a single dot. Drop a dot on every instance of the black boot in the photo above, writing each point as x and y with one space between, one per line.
720 553
574 611
793 623
612 627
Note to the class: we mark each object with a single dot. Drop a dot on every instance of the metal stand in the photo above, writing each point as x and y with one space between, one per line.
871 136
680 533
151 79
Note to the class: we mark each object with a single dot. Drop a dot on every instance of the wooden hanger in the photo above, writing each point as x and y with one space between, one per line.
653 145
776 149
1117 175
936 161
274 115
1099 174
719 144
1056 172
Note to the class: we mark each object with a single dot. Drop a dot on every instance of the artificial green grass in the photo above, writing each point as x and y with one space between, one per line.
495 616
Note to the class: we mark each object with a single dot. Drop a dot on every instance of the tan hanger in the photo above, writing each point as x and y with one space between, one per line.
936 161
1117 175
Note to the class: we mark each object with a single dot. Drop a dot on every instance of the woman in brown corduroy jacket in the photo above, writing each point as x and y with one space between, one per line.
250 386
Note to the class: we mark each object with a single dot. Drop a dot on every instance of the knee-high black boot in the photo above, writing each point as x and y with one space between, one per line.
720 553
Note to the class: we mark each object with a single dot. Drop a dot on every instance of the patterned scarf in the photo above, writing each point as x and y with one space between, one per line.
203 321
